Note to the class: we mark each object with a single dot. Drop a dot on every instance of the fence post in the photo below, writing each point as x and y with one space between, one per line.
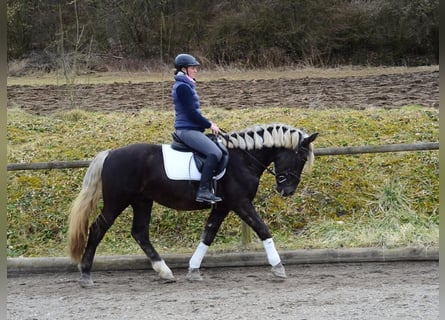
246 234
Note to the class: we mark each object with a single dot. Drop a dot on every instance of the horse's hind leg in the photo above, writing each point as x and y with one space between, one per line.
140 232
97 231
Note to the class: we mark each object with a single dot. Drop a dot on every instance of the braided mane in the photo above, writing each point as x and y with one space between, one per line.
270 135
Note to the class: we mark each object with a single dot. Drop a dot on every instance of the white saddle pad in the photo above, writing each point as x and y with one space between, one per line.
181 165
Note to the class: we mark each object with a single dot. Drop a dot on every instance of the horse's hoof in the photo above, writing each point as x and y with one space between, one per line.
167 277
163 270
85 281
279 272
194 275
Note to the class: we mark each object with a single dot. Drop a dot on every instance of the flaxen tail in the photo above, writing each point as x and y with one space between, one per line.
83 206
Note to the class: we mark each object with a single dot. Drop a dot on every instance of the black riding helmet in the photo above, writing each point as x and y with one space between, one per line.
185 60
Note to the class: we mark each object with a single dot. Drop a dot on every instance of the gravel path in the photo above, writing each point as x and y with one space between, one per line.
396 290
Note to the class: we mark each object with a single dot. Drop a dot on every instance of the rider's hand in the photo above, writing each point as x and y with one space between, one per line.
215 129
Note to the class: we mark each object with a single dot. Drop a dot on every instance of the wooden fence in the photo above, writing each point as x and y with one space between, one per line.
246 232
317 152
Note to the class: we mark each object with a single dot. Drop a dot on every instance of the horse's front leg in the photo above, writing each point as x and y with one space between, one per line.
216 217
248 214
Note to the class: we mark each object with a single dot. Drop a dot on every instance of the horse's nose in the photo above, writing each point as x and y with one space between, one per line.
285 192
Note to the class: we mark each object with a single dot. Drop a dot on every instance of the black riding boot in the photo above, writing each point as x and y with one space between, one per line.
205 193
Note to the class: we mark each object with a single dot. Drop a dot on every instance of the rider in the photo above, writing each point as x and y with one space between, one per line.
190 124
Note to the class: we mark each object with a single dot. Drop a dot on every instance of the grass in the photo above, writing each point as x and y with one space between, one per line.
374 200
389 221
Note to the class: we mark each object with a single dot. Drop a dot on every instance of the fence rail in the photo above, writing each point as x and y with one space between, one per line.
246 232
317 152
377 149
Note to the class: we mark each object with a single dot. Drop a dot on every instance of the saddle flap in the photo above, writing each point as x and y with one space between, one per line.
181 165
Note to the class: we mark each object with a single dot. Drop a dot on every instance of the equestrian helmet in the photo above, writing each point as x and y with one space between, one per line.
185 60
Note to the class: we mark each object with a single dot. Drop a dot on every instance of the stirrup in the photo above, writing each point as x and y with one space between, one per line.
207 196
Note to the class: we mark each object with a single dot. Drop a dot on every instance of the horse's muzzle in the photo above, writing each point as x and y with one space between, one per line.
286 191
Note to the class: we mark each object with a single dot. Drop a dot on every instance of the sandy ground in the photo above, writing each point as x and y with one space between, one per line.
397 290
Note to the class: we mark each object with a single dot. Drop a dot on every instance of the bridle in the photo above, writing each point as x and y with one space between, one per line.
280 177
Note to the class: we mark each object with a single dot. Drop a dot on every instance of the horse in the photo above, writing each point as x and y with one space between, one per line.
134 175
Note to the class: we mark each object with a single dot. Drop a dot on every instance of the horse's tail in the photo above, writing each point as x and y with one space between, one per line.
84 205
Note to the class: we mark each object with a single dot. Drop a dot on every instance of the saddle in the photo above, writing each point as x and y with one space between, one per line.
183 163
199 158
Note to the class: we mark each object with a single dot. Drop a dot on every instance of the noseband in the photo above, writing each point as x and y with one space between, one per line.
283 176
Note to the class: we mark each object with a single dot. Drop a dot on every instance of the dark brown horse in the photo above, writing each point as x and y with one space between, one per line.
134 176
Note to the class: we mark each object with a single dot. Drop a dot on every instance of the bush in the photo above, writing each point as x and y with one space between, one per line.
249 33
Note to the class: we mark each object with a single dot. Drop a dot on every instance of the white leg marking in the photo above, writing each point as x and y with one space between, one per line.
163 270
272 255
196 259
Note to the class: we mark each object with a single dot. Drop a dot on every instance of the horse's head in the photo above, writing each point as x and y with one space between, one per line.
290 163
294 147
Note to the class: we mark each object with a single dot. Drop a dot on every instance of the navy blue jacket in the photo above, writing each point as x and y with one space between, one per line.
187 108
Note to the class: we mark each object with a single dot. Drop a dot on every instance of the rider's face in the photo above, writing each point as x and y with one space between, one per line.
192 71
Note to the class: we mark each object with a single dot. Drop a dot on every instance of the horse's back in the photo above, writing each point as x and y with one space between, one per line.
133 153
127 165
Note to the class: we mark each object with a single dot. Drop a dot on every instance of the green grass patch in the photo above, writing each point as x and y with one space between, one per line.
369 200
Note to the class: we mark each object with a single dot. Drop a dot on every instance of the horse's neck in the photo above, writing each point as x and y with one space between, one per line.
259 160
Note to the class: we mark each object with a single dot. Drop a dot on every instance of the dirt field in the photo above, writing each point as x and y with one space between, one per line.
400 290
390 90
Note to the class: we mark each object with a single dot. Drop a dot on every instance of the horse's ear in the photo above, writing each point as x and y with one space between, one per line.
309 139
312 137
